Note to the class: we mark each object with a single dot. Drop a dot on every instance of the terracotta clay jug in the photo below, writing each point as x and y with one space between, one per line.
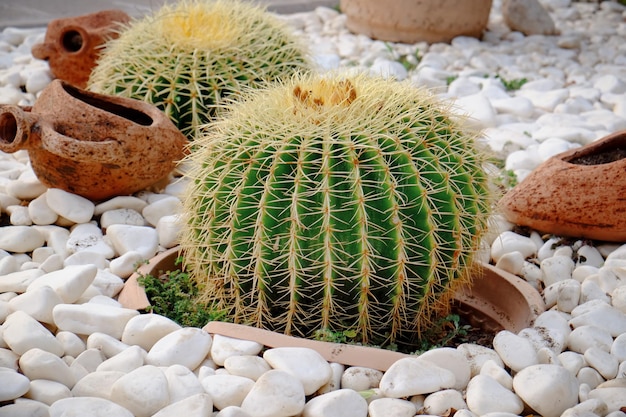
577 193
72 45
93 145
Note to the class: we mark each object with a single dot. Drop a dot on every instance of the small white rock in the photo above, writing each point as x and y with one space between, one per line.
414 376
231 390
340 403
516 352
306 365
187 346
142 391
91 318
146 329
485 395
88 406
547 389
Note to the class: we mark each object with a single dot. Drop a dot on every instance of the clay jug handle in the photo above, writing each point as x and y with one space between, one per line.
16 127
108 151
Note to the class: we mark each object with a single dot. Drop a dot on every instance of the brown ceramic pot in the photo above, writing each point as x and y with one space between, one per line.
411 21
72 45
93 145
496 300
578 193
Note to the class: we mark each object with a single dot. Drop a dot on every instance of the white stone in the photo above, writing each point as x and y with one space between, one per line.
232 411
516 352
97 384
589 376
88 237
478 110
556 268
414 376
168 229
90 318
70 206
13 386
182 383
603 316
69 283
18 281
452 360
528 17
72 344
40 364
126 238
485 395
18 216
37 303
25 408
187 346
275 394
359 378
498 373
443 402
107 344
8 359
590 407
165 206
92 406
121 216
547 389
142 391
47 392
20 239
124 265
511 262
477 355
305 364
120 202
589 255
564 294
146 329
388 69
587 336
126 361
21 333
590 290
340 403
89 359
572 361
26 187
381 407
618 348
108 283
40 213
249 366
602 361
509 241
335 380
613 397
198 405
224 347
230 390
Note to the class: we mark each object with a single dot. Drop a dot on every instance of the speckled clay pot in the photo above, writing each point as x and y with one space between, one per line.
92 145
579 193
72 45
411 21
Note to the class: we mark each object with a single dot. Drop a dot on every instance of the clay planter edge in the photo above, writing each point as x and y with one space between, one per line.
496 300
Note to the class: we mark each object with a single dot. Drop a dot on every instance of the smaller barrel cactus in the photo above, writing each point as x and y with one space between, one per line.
335 203
191 57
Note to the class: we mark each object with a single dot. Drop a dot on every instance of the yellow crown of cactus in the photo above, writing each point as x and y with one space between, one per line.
190 58
335 203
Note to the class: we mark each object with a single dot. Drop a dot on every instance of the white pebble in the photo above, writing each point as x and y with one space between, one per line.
414 376
21 333
145 330
547 389
88 318
142 391
224 347
340 403
516 352
187 346
305 364
70 206
231 390
485 395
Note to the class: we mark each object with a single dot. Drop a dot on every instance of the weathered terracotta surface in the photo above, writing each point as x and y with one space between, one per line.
93 145
72 45
496 300
411 21
566 197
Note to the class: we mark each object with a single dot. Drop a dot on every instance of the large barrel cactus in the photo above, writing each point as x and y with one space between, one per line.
332 203
190 58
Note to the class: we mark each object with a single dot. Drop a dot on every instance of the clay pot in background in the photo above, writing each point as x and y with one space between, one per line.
72 45
93 145
578 193
412 21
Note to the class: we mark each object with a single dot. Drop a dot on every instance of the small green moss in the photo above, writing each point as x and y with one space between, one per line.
512 85
173 294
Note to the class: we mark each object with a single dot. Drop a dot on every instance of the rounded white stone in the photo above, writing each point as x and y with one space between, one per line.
47 392
572 361
121 216
91 406
20 239
585 337
589 256
510 242
13 386
37 303
69 283
305 364
516 352
8 359
165 206
224 347
40 213
230 390
613 397
444 402
97 384
618 298
452 360
120 202
589 377
275 393
25 408
603 316
340 403
90 318
143 391
182 383
498 373
39 364
485 395
197 405
168 229
583 271
414 376
146 329
72 207
602 361
359 378
187 346
126 238
556 268
126 361
511 262
249 366
547 389
477 355
21 333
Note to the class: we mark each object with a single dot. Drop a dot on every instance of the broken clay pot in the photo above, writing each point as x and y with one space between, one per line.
72 45
93 145
494 301
578 193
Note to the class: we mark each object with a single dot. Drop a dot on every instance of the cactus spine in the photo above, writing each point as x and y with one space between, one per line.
332 203
192 57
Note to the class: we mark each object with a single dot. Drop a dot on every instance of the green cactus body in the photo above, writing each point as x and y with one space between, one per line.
339 204
190 58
